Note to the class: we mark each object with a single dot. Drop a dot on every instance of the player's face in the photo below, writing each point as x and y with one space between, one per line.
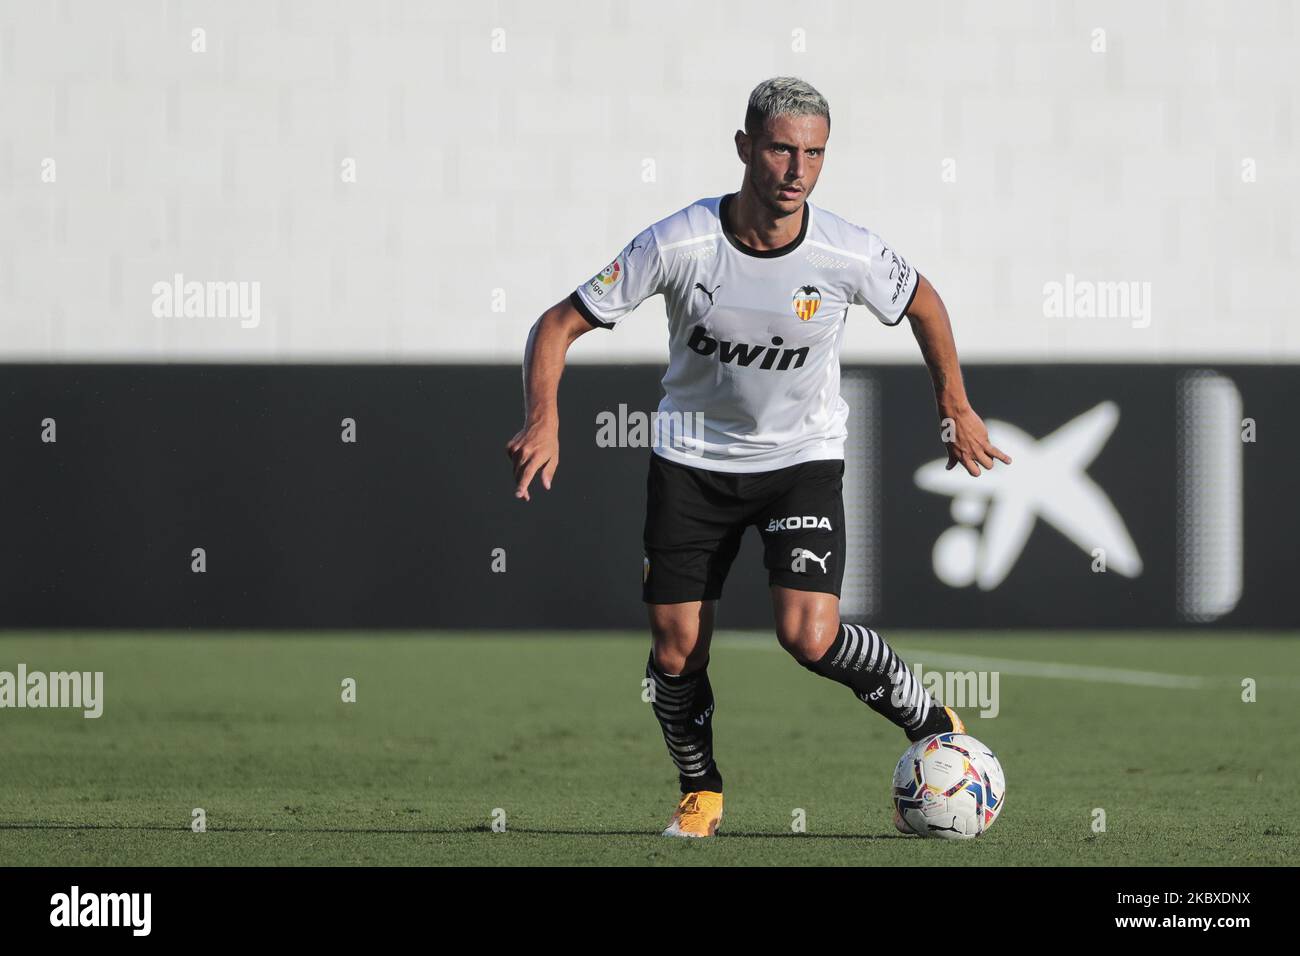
785 160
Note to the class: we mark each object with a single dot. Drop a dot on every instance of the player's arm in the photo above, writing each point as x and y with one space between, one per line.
963 431
536 446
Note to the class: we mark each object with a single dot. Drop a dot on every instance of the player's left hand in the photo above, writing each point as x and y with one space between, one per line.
968 442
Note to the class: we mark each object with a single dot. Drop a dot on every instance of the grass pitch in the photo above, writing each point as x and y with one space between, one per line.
551 729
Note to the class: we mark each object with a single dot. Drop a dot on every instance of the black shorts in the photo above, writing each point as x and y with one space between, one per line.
695 519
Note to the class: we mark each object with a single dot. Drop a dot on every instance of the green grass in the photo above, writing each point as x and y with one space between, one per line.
552 729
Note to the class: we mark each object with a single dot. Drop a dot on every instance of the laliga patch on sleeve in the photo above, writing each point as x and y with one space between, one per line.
606 279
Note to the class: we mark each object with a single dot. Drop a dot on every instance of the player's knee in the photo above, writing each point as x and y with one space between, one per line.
676 658
807 637
677 647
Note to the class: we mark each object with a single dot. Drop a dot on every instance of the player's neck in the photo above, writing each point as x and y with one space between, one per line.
758 227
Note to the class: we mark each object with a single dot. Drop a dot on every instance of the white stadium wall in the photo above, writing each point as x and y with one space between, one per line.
407 182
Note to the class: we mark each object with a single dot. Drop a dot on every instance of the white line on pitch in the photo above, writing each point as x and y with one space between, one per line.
1047 669
1059 671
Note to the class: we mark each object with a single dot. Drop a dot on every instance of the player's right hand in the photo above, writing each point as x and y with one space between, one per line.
534 447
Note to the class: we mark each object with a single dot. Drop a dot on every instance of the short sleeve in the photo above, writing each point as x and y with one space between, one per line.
635 274
887 283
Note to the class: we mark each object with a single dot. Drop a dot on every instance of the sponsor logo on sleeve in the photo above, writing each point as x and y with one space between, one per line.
899 272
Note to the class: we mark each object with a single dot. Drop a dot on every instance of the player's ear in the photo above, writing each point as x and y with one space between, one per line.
742 146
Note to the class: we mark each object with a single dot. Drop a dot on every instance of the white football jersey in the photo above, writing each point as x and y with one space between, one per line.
754 336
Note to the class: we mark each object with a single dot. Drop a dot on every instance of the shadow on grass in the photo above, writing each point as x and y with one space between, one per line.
443 831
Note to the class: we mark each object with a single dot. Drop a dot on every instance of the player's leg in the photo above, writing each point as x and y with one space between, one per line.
693 527
808 625
804 541
681 695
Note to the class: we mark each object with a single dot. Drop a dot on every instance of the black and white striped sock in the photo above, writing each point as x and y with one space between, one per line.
860 659
684 706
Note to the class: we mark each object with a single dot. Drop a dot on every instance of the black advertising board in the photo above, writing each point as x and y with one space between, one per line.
1176 479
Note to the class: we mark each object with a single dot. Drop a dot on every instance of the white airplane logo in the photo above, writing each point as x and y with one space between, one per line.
1048 481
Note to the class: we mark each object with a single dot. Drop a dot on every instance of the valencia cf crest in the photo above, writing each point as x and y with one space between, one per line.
806 301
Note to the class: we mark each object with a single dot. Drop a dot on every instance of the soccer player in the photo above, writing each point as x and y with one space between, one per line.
757 285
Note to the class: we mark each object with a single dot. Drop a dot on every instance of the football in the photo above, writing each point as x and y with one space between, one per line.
949 786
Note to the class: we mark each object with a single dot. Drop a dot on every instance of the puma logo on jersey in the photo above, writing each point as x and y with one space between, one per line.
700 286
802 556
744 354
796 522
